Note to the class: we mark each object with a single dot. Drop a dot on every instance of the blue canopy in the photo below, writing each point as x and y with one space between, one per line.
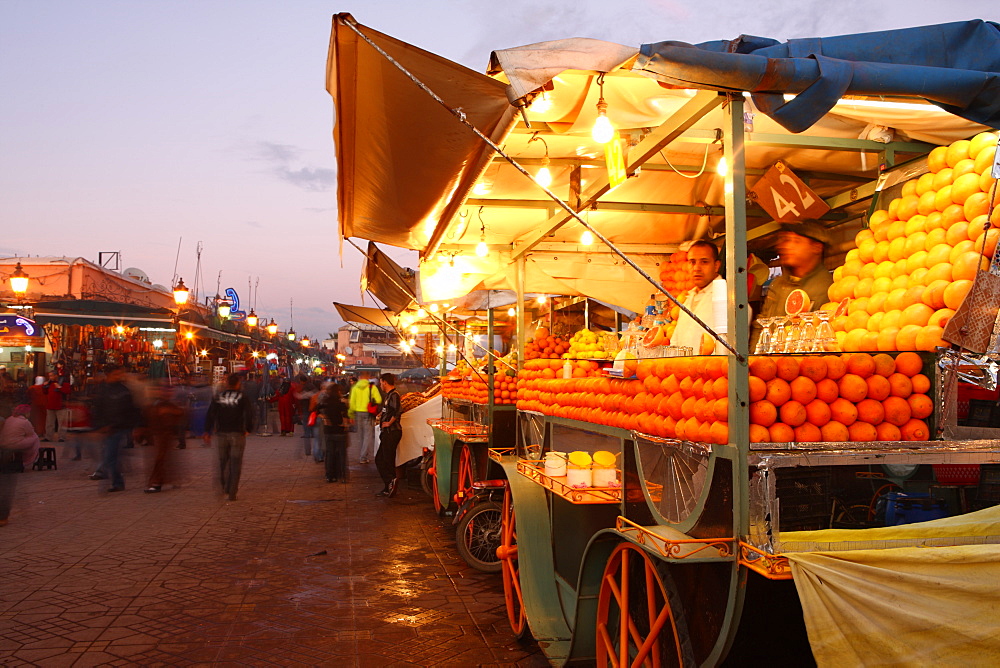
954 65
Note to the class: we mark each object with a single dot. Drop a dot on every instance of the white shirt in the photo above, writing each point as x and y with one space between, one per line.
705 304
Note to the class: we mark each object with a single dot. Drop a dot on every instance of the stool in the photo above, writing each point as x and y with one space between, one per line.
46 459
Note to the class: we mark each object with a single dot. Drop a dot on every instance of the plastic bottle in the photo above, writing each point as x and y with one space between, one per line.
567 369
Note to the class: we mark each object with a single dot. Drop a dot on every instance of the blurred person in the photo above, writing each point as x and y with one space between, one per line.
180 395
57 390
199 397
116 415
801 247
230 417
707 301
389 436
285 398
362 408
251 390
37 401
304 402
334 418
163 418
18 450
6 392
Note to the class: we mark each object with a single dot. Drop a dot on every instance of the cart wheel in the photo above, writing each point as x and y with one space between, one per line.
427 481
433 481
507 552
652 631
466 475
478 536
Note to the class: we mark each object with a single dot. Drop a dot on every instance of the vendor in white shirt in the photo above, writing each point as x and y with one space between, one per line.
707 301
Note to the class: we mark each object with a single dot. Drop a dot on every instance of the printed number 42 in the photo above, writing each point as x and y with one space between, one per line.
785 207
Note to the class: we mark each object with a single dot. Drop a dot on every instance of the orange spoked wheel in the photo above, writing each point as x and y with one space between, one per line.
466 475
507 552
433 481
640 621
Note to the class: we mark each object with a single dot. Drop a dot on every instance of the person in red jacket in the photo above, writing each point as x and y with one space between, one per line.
56 391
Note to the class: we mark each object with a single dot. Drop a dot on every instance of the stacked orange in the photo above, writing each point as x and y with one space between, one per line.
675 275
544 345
476 389
835 398
914 265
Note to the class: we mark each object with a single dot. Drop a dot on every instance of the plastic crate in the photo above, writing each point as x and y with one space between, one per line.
909 508
957 474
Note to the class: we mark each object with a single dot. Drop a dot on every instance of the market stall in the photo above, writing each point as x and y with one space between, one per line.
689 547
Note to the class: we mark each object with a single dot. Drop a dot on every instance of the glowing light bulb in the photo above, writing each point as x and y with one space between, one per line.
544 175
723 167
452 347
421 313
512 311
482 188
434 308
541 299
587 238
603 131
413 329
482 250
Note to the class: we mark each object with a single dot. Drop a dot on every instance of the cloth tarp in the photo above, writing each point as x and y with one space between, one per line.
417 434
393 285
388 131
904 606
366 315
955 65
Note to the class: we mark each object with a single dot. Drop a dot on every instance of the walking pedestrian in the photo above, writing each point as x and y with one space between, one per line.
18 450
362 408
285 397
334 417
57 390
116 414
389 437
36 399
164 417
230 417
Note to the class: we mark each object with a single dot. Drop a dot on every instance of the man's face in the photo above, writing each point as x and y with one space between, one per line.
796 251
704 266
52 376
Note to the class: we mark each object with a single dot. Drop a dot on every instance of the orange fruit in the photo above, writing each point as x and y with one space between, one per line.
966 166
955 293
781 433
808 433
909 364
897 410
813 368
959 231
803 391
900 385
763 367
758 389
886 339
817 412
912 296
759 434
902 280
862 431
778 391
835 366
934 294
875 323
965 186
915 430
843 411
957 151
857 319
827 390
884 364
788 368
863 288
907 208
906 339
935 238
763 413
870 411
719 433
855 339
853 388
934 221
866 247
921 383
876 303
929 338
895 300
897 249
861 364
922 184
910 188
917 313
915 225
916 258
968 264
940 271
977 205
887 431
942 200
792 413
878 387
921 405
834 432
936 160
981 141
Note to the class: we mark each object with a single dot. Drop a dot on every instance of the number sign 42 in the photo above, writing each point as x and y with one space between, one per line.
785 197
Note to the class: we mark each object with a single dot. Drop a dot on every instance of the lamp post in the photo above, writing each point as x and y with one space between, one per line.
19 281
252 319
272 327
181 293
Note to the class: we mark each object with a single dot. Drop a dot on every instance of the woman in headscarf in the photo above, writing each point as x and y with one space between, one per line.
18 450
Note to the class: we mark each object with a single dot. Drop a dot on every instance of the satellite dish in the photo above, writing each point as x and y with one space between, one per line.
162 288
347 349
136 274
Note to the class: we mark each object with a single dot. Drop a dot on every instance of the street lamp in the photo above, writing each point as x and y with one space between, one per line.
272 327
224 309
252 319
291 335
305 341
181 293
19 281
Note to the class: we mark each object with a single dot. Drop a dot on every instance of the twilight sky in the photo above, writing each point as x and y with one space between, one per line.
135 126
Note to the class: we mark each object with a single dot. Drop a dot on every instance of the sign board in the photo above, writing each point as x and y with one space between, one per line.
16 330
786 197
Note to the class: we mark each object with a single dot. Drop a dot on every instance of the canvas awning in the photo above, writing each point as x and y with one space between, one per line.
366 314
393 285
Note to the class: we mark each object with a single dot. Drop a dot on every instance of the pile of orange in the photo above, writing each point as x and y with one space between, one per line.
837 398
916 262
544 345
476 389
675 275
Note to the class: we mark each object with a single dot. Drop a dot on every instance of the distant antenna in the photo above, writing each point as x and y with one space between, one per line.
110 260
198 279
177 259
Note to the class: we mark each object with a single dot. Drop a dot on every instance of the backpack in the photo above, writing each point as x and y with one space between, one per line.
373 406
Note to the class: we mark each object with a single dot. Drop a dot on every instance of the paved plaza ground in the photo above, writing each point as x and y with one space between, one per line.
297 571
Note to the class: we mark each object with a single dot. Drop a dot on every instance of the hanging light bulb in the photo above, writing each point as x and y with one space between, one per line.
722 168
587 238
544 175
421 313
541 299
434 308
603 131
482 250
512 311
414 329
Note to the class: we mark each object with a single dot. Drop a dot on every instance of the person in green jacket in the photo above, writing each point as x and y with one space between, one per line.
362 413
800 251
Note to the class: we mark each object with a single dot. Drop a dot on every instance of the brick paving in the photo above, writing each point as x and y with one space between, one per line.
297 571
